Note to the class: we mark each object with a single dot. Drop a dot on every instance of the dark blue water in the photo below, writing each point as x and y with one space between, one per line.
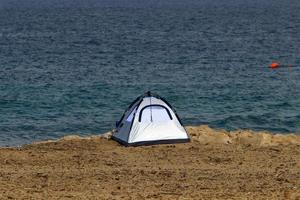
72 67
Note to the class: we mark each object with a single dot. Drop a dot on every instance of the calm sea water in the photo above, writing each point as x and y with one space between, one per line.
72 67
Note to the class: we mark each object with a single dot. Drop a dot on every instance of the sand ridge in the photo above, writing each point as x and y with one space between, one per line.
216 165
205 135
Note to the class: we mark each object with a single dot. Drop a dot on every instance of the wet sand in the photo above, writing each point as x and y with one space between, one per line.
215 165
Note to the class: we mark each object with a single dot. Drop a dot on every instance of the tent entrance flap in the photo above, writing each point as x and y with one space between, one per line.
154 113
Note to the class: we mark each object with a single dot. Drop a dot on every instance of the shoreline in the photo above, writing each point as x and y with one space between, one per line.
216 164
206 135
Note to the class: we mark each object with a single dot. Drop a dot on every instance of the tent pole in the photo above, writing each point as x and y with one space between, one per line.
151 110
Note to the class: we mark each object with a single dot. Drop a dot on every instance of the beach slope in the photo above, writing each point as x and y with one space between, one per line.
216 165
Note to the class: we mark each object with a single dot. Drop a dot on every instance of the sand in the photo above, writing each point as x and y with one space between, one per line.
215 165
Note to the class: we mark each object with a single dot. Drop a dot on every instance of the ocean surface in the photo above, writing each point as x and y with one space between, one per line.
73 67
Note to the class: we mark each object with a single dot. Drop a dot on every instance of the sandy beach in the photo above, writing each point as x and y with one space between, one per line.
216 165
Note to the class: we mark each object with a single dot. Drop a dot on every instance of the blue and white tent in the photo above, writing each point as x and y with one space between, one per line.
150 120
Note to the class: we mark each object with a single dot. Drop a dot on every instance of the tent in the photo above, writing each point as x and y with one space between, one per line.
148 120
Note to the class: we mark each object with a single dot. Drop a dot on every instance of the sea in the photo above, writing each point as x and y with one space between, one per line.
74 66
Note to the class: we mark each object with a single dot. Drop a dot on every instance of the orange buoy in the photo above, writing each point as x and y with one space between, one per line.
274 65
